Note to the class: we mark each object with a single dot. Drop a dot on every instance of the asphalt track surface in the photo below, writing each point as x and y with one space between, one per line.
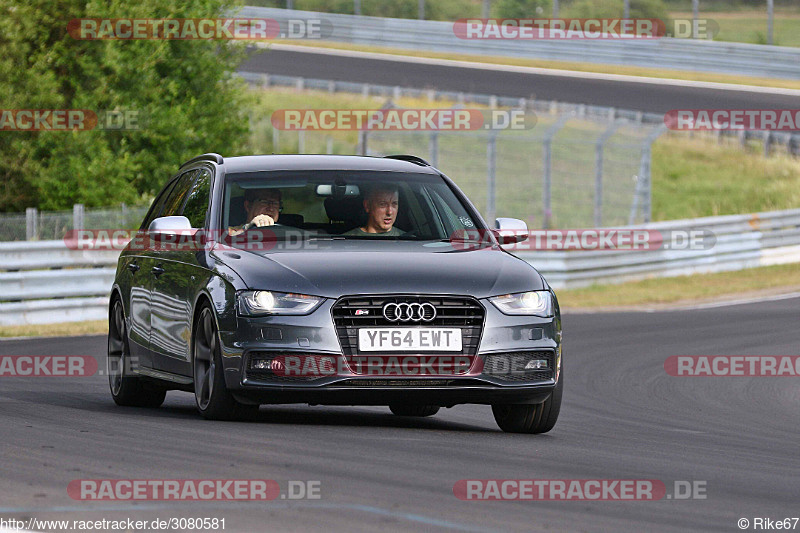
646 97
622 418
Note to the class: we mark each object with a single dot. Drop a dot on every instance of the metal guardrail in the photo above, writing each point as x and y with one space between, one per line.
668 53
45 282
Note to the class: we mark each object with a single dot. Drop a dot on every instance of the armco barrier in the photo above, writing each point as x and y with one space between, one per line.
666 53
45 282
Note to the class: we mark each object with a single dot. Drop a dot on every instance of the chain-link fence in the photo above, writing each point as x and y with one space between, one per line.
53 225
580 166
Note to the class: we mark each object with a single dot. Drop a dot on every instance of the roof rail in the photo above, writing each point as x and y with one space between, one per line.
216 158
410 158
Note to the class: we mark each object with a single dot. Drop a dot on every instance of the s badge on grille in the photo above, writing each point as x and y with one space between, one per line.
360 312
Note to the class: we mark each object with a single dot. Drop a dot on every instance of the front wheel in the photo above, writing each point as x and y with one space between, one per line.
126 389
523 418
212 397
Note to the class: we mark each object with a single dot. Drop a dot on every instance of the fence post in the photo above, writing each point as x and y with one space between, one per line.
598 172
276 139
643 191
547 158
491 168
77 216
329 145
31 224
433 148
767 142
301 141
362 143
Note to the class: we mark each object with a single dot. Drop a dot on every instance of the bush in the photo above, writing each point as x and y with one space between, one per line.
184 91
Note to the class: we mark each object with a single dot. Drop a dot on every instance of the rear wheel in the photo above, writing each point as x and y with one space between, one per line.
213 399
126 389
523 418
414 410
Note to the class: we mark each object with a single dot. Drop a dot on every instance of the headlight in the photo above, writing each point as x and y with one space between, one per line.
258 303
538 303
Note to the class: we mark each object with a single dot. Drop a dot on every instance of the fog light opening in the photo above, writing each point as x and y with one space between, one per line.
536 364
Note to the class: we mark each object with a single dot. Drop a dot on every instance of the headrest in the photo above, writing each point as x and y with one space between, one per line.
347 210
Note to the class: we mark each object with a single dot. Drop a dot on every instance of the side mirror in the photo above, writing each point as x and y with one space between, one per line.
170 225
510 230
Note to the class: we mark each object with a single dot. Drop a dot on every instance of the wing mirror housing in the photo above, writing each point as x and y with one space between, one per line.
510 230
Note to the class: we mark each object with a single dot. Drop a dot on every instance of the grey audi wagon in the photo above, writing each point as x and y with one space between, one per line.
331 280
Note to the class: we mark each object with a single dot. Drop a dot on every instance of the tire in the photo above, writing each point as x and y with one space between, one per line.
126 390
523 418
214 401
414 410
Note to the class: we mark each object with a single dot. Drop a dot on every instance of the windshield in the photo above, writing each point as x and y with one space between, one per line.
344 205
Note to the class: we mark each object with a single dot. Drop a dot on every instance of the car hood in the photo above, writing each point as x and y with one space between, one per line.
338 268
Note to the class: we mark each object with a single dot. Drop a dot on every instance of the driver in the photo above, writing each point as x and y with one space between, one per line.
262 207
381 204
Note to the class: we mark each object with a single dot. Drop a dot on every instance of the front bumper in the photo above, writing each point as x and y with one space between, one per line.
316 335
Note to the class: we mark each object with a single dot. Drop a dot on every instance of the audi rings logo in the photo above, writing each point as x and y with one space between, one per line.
415 312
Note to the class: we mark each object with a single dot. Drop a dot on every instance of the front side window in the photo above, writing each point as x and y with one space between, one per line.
196 205
177 196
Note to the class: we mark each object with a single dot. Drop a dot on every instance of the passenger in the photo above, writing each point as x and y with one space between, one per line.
380 204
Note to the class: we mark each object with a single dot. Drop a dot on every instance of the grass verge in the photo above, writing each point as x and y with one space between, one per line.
94 327
751 26
685 289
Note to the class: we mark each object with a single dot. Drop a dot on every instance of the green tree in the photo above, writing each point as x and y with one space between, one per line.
187 100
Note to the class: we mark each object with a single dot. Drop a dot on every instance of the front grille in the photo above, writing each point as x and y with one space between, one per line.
511 366
462 312
276 374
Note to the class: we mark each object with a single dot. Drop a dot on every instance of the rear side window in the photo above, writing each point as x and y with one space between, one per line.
196 205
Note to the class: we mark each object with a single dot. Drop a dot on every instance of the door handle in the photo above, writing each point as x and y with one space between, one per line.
133 267
157 271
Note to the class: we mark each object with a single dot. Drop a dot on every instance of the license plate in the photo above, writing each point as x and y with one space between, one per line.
409 339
